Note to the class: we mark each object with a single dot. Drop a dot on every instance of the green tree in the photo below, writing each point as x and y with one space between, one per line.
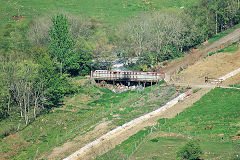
190 151
3 99
83 57
74 57
55 85
61 45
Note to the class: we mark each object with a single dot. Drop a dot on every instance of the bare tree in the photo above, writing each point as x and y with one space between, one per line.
153 33
38 30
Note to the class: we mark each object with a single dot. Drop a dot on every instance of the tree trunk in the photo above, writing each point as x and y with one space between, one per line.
25 106
25 112
35 107
9 100
21 110
216 24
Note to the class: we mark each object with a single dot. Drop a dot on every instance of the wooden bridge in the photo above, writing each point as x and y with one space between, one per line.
127 76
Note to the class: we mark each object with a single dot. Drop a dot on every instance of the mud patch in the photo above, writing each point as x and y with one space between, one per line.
18 18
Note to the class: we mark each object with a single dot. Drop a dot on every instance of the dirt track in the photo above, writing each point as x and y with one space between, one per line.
200 53
118 138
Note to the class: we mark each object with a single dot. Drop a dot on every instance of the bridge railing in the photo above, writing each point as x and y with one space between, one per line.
127 76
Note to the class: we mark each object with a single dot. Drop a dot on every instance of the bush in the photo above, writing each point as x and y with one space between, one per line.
191 151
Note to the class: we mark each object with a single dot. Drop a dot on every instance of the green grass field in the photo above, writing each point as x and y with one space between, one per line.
109 12
213 120
79 113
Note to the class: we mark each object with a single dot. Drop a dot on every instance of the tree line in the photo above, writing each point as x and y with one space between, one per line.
159 36
35 72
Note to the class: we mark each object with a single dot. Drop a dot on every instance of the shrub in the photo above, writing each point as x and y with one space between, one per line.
191 151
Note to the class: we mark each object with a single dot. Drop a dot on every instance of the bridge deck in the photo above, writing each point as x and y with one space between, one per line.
127 76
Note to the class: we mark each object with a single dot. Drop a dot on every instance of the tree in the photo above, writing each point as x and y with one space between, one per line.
61 45
3 99
38 29
83 55
162 36
50 86
74 57
190 151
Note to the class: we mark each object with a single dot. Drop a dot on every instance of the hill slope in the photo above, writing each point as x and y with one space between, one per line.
110 12
213 120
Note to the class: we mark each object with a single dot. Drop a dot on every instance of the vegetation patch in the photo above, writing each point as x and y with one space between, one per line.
237 85
231 48
222 34
213 121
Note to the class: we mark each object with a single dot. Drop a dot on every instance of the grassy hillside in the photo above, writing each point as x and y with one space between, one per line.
80 113
110 12
213 120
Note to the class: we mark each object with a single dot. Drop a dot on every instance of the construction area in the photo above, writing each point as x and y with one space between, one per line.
196 70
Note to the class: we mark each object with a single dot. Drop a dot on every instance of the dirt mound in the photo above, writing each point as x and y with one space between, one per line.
18 18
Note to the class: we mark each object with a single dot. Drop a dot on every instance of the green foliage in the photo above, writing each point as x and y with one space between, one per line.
74 57
148 59
61 45
56 85
212 17
83 58
232 48
190 151
3 99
